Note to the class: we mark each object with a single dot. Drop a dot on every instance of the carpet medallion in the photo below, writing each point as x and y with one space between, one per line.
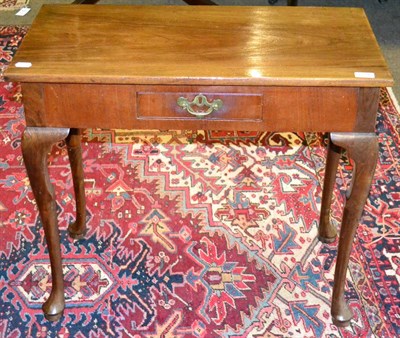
196 234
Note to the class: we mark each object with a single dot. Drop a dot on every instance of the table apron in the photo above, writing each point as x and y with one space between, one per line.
319 109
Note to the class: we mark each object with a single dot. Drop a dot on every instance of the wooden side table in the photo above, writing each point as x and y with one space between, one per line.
243 68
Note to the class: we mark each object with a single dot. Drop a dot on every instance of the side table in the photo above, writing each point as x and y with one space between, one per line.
225 68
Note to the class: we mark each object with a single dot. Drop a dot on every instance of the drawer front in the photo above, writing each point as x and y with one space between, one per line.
171 103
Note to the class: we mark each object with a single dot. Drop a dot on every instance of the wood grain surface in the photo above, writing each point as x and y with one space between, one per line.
206 45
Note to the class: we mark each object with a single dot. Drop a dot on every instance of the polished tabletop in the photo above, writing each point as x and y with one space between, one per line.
205 45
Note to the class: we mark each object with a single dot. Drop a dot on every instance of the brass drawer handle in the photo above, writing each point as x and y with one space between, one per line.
200 101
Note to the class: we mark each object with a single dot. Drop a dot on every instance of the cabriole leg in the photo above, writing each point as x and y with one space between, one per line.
77 229
362 148
326 231
36 144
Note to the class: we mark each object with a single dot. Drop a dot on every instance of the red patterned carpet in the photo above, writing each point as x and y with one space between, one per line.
196 234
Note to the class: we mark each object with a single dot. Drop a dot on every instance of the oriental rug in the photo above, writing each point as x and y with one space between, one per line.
196 234
12 5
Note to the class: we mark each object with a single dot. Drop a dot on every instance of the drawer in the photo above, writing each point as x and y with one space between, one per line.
194 103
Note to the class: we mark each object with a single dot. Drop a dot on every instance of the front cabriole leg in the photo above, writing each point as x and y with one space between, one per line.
36 144
362 148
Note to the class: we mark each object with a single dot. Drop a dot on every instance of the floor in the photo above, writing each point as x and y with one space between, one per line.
384 16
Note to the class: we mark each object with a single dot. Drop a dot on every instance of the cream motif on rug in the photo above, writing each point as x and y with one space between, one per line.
12 5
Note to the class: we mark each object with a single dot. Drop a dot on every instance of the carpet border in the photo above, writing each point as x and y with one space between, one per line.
393 98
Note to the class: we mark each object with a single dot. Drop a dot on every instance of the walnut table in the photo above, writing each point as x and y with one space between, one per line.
235 68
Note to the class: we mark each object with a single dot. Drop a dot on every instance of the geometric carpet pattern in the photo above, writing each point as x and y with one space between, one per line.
196 233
